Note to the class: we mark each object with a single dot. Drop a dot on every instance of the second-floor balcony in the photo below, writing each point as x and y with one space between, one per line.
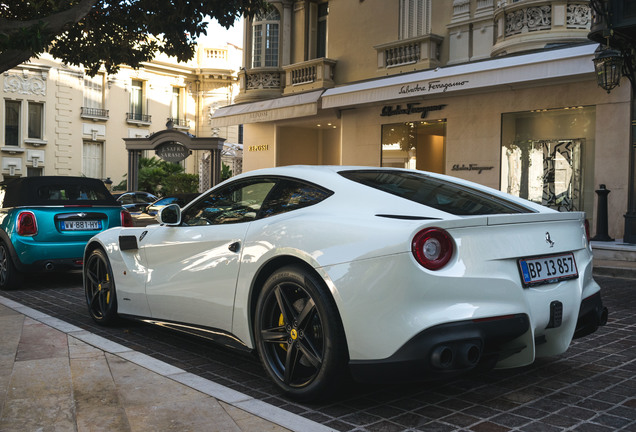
309 75
421 50
138 119
532 24
269 82
260 83
94 113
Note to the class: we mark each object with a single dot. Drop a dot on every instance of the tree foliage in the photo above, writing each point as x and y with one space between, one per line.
163 178
92 33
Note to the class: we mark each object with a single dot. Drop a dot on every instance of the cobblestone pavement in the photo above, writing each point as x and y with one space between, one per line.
592 387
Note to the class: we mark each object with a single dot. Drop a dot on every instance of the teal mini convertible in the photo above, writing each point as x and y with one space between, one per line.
45 223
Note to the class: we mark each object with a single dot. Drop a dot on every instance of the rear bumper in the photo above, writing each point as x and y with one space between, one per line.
454 348
64 264
592 314
37 257
446 349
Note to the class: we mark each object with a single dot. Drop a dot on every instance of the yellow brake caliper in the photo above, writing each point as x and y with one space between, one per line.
99 288
108 293
281 322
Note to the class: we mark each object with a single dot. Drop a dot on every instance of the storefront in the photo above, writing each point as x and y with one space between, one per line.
534 125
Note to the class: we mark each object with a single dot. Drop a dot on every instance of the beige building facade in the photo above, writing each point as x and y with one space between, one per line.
498 92
56 120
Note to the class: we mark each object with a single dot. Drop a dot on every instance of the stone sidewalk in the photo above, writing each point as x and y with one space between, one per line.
57 379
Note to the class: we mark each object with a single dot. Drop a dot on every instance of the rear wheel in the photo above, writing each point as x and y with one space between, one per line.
99 287
299 336
10 277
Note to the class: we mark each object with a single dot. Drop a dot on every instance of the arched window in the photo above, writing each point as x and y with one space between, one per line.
265 39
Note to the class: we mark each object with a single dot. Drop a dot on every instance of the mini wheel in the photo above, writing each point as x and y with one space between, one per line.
299 335
10 277
99 287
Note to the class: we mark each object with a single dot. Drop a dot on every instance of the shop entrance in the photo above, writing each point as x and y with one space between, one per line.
416 145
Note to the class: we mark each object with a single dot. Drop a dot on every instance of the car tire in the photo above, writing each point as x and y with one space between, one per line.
10 277
99 288
299 335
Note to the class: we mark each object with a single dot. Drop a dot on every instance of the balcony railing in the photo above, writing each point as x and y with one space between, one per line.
260 83
138 118
94 113
178 123
309 75
263 79
526 25
421 50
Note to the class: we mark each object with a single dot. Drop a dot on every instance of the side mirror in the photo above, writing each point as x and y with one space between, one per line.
170 215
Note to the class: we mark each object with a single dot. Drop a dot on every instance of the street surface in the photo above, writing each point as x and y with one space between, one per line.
592 387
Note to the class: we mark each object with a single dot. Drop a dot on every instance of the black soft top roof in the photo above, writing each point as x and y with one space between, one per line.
55 190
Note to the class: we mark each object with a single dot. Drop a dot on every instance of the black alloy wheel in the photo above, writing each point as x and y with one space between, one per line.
10 277
99 287
299 335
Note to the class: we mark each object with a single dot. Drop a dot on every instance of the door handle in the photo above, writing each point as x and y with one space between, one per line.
235 247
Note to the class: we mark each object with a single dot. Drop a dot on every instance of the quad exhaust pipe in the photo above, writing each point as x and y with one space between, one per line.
461 355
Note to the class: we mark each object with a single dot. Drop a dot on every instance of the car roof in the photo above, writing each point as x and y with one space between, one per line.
328 176
23 191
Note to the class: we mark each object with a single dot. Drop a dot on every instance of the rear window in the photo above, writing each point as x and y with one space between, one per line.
432 192
70 193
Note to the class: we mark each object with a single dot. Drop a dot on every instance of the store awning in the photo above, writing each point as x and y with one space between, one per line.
301 105
558 64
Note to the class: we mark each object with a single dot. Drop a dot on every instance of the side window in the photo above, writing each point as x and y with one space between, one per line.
127 199
292 195
143 199
237 202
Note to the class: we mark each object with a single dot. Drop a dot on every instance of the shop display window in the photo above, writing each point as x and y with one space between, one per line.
542 156
415 145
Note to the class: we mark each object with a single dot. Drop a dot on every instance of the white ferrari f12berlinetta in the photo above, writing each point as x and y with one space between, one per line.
330 272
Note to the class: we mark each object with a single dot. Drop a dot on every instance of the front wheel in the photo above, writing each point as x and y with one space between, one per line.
99 287
299 335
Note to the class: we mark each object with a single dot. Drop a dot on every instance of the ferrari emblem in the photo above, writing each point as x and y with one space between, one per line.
548 239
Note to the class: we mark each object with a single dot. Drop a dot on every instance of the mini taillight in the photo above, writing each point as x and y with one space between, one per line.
126 219
27 225
587 230
432 248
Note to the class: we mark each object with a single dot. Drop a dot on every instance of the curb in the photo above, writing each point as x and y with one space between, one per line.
232 397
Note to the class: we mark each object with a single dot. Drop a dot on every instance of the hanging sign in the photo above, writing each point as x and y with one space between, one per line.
172 151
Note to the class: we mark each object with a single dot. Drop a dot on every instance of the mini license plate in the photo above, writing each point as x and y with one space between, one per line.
547 269
81 225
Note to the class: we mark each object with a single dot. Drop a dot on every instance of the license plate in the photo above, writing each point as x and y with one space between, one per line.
548 269
81 225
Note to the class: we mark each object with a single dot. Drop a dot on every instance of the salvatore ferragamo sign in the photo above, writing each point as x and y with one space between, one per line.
432 87
410 108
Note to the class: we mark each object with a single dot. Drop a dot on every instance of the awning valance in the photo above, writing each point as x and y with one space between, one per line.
301 105
568 63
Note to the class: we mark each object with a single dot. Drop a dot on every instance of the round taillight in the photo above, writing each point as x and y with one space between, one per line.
27 225
432 248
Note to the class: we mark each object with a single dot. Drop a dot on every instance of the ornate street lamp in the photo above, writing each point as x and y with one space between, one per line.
614 27
608 65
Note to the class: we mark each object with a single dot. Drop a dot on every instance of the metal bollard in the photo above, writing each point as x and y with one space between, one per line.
601 215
